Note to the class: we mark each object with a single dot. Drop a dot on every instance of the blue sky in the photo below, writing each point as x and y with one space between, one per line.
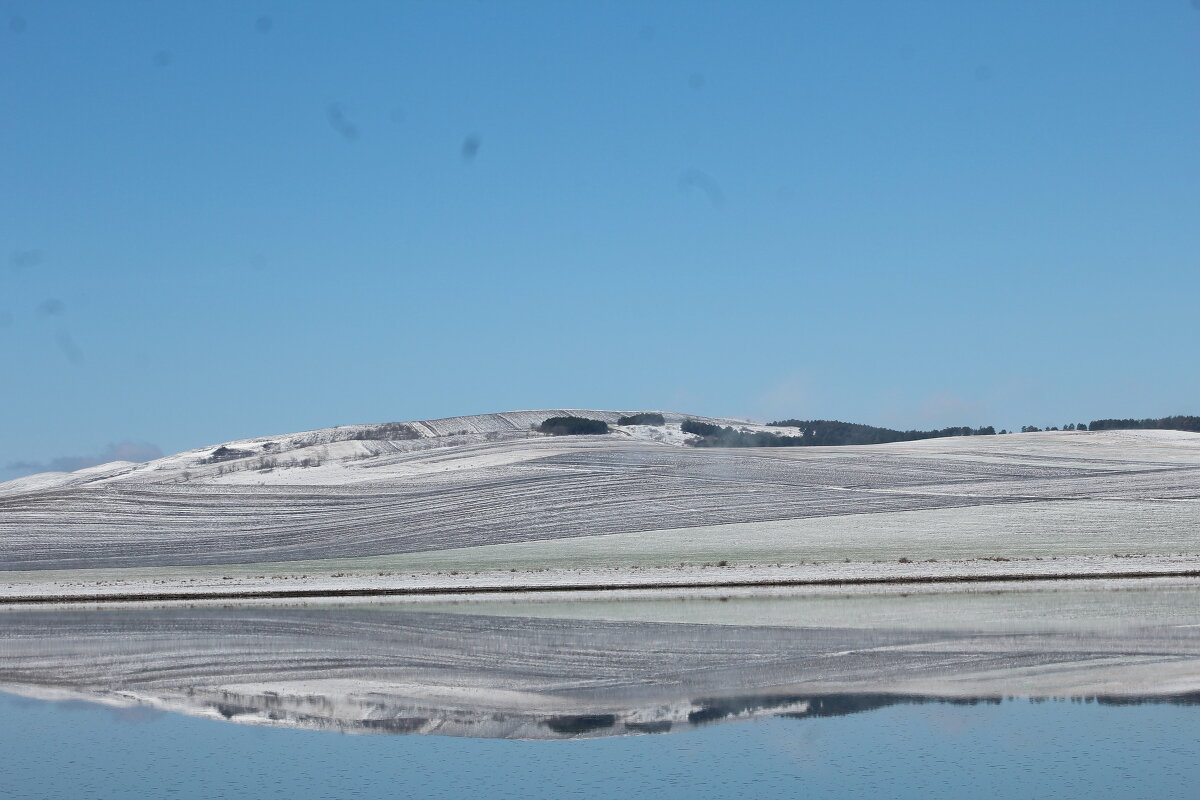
230 219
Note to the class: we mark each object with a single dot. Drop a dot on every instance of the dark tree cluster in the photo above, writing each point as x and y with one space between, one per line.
573 426
644 418
827 433
224 453
1082 426
1176 423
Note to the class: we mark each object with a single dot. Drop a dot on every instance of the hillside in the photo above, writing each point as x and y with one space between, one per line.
487 493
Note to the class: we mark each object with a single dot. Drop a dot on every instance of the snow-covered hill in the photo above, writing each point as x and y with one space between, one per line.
348 453
487 488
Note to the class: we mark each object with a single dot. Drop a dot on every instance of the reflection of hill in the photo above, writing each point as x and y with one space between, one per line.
391 669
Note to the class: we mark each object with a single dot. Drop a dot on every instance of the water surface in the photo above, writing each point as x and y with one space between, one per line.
891 692
1015 749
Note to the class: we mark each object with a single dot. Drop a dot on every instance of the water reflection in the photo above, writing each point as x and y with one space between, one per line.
418 669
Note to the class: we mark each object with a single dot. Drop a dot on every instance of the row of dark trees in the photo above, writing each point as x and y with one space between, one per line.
826 433
1082 426
1175 423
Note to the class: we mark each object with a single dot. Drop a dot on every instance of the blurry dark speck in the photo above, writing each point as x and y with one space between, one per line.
470 147
696 80
69 348
27 258
983 74
646 33
263 24
16 24
338 121
692 179
397 115
1196 4
51 307
162 58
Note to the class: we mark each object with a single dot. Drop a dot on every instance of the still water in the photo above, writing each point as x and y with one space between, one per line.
826 694
1016 749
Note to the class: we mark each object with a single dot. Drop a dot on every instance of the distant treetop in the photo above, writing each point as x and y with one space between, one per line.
824 432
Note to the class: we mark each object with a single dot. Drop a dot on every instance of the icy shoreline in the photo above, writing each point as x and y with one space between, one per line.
29 588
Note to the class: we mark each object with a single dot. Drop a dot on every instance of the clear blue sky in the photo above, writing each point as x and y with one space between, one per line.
230 219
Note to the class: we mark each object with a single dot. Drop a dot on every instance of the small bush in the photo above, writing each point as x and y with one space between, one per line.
573 426
644 418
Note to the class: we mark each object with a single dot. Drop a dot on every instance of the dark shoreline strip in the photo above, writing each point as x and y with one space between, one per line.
414 591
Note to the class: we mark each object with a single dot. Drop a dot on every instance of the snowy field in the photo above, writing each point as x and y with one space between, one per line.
435 502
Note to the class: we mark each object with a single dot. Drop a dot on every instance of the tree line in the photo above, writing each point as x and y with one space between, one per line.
1175 423
827 433
830 433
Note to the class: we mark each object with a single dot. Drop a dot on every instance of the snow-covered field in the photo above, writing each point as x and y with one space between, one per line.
433 503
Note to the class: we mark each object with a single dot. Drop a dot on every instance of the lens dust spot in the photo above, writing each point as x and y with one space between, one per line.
694 180
470 148
26 258
339 122
69 348
51 307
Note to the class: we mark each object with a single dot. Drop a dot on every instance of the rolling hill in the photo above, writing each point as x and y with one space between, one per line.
488 494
